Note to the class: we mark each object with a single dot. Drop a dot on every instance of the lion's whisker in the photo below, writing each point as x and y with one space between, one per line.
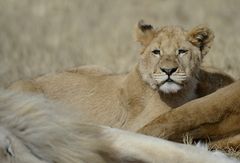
179 74
159 75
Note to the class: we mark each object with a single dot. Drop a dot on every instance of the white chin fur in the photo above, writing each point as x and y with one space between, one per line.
170 87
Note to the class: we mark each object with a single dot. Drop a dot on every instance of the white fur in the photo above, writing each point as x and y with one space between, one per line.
150 149
170 87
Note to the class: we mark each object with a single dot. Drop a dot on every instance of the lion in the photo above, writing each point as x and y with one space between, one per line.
34 129
167 76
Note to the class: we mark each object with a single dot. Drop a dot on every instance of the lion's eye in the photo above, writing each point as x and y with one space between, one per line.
182 51
156 52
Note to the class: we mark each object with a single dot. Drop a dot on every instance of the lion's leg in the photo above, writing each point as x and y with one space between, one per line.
213 110
226 127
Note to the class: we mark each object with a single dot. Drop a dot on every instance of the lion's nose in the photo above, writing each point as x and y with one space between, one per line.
169 71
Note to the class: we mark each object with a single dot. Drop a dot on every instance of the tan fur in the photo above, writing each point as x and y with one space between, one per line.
215 117
36 130
132 101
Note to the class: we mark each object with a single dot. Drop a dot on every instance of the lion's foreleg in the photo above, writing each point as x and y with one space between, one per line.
213 109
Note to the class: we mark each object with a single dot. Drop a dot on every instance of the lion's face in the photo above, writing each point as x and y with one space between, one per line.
171 56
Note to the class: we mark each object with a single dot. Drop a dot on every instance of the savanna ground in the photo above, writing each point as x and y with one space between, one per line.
41 36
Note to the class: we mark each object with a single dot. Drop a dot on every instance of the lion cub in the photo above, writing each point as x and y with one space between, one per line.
167 75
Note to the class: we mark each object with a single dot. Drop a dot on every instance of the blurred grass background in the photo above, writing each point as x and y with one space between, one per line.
40 36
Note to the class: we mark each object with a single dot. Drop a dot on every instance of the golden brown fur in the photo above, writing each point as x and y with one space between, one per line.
215 117
132 101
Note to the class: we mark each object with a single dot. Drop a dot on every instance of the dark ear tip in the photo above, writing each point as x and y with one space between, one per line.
202 33
202 36
143 26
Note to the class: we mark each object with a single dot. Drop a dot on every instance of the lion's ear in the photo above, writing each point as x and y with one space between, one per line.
202 37
144 33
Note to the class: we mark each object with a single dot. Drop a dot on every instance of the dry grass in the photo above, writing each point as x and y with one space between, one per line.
232 153
39 36
229 151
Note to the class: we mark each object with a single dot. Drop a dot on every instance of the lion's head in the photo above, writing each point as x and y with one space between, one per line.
171 56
